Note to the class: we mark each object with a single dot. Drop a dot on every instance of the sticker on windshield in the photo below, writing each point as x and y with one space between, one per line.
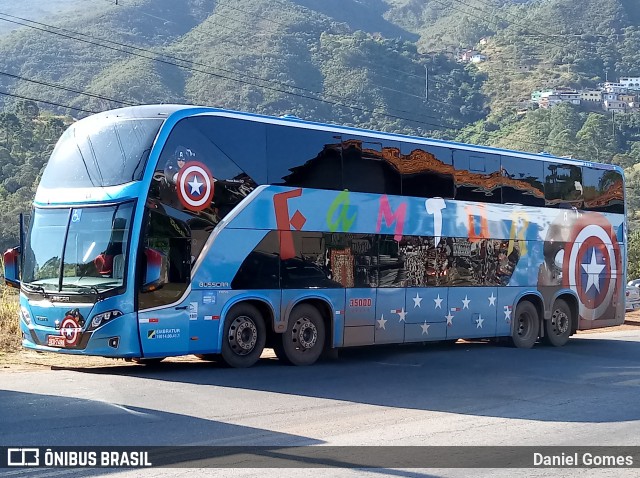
77 214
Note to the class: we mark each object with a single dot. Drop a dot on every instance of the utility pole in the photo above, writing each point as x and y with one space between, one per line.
426 82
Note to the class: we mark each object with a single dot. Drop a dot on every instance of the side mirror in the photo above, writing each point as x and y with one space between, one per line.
11 267
156 274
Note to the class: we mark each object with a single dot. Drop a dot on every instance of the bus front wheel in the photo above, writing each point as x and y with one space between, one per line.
526 327
244 336
558 327
303 341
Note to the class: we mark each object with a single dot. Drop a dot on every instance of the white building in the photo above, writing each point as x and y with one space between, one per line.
631 82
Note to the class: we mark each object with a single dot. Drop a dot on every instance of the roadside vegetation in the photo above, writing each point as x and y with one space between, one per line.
9 328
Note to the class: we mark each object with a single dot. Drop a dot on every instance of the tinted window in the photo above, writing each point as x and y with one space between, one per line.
477 176
420 261
261 268
371 165
391 260
427 171
522 181
502 258
466 262
309 268
304 158
170 236
563 185
245 142
603 190
353 259
196 176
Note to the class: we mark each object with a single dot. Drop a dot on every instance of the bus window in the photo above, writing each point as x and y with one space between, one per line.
466 263
477 176
309 269
353 259
170 236
304 158
421 261
194 175
261 268
244 142
603 190
563 185
391 260
522 181
370 165
427 171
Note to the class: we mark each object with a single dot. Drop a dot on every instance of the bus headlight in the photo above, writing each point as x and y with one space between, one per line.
100 319
25 315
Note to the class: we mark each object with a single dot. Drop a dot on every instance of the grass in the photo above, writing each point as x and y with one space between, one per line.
10 336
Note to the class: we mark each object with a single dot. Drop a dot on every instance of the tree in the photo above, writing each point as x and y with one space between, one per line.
595 139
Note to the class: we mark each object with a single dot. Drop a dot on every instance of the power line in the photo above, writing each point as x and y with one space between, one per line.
71 90
335 103
47 102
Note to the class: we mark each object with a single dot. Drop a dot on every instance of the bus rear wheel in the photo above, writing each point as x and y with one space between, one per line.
558 328
526 326
244 336
303 341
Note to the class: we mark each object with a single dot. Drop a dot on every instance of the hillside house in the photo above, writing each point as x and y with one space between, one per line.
591 95
631 82
614 106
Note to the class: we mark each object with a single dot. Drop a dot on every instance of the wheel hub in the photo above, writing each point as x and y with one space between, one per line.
560 321
243 335
305 333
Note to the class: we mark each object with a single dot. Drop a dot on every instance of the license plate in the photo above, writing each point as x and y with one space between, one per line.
55 341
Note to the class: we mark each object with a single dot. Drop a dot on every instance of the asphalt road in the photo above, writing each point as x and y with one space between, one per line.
586 393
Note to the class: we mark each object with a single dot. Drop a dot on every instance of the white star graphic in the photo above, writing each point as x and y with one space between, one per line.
417 300
479 321
449 318
593 270
425 328
402 315
507 314
438 302
195 185
492 299
68 331
381 321
465 302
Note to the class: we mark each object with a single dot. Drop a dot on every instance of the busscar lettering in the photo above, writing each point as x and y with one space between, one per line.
216 285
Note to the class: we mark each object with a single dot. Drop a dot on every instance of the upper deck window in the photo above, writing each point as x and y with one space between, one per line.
96 153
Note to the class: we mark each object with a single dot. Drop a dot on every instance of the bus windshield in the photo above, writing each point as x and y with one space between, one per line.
101 153
77 249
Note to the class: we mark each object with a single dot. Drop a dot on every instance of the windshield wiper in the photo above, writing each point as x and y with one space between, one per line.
92 288
35 288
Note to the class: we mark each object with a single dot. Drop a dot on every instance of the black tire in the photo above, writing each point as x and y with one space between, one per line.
303 341
558 328
149 361
244 336
526 325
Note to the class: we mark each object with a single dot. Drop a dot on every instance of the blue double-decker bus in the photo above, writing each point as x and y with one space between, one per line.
167 230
